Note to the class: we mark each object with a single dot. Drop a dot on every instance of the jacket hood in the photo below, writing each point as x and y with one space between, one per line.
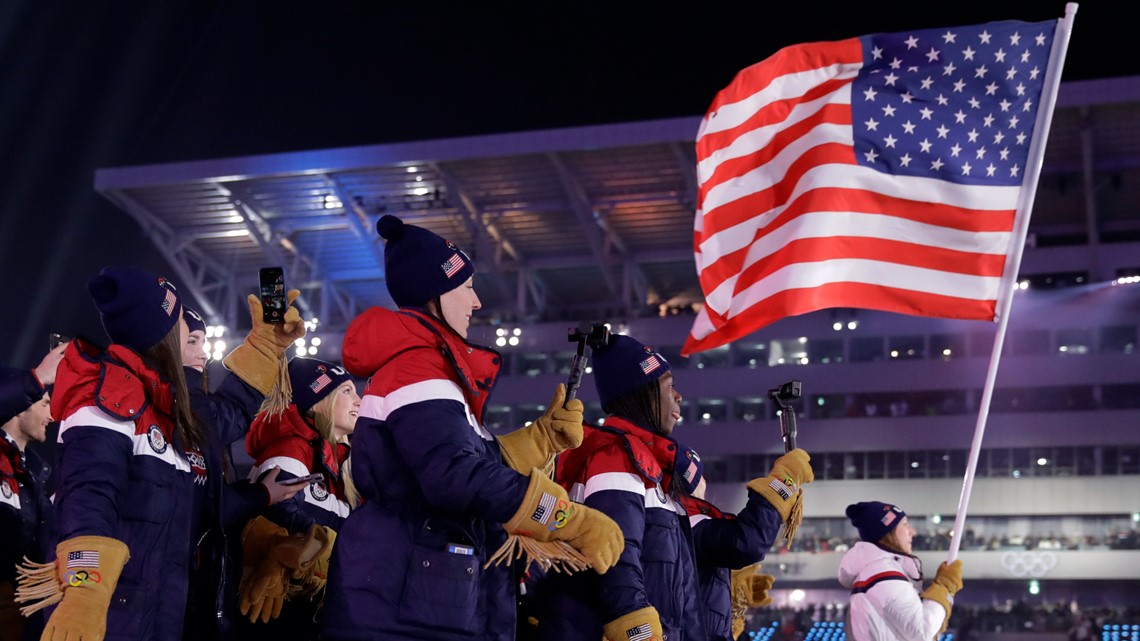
287 435
117 379
378 335
862 555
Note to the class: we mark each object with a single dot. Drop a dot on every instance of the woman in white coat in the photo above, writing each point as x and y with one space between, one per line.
885 578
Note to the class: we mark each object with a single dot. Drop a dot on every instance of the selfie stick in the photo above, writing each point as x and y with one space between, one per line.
782 396
595 335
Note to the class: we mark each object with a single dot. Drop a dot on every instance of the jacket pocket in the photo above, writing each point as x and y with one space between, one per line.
129 614
441 590
147 496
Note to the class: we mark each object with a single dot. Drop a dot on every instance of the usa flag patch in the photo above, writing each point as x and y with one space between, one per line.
169 303
322 382
83 559
544 510
650 364
452 265
640 633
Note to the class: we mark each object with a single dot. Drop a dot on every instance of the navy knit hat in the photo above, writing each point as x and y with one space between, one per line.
688 468
313 380
419 265
138 309
194 320
874 520
623 365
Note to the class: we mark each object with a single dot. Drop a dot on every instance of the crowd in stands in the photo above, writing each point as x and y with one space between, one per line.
1112 540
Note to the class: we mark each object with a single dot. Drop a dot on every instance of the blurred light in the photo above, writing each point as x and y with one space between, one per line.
946 352
500 332
514 340
1016 474
516 331
894 353
313 350
301 351
913 465
300 342
421 191
589 369
316 341
802 340
1042 461
852 324
797 595
1136 517
936 519
220 346
837 326
413 169
819 401
804 360
1023 285
332 202
500 342
1034 587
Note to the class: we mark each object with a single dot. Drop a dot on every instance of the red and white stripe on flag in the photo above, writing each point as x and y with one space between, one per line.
881 172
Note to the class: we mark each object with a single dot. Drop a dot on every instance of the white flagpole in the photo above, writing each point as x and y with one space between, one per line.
1013 260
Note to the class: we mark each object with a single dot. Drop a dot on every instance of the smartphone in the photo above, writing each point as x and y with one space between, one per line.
55 340
273 301
300 480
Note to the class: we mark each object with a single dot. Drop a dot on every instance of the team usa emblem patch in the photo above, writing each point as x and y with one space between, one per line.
318 490
156 439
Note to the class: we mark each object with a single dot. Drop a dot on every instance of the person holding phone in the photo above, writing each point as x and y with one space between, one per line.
308 440
125 500
632 469
438 500
226 502
728 547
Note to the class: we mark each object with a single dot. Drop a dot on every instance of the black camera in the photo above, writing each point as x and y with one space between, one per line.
785 393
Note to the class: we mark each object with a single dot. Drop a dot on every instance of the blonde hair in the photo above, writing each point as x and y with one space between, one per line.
322 417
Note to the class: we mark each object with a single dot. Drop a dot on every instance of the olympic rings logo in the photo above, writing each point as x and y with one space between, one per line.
561 515
1034 564
81 577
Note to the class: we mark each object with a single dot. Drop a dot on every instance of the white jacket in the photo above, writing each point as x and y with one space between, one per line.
885 605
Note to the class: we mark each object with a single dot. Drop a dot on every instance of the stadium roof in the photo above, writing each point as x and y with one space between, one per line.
563 224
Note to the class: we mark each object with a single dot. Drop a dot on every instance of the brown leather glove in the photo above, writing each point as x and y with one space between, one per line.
88 569
313 579
749 590
257 360
782 488
639 624
270 557
556 431
947 582
547 514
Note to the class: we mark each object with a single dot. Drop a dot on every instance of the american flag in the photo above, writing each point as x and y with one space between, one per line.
650 364
640 633
320 383
452 266
83 559
881 172
169 303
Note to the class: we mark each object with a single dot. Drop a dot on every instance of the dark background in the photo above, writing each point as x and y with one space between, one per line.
92 84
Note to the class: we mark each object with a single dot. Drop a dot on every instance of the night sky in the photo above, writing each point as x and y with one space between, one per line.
92 84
